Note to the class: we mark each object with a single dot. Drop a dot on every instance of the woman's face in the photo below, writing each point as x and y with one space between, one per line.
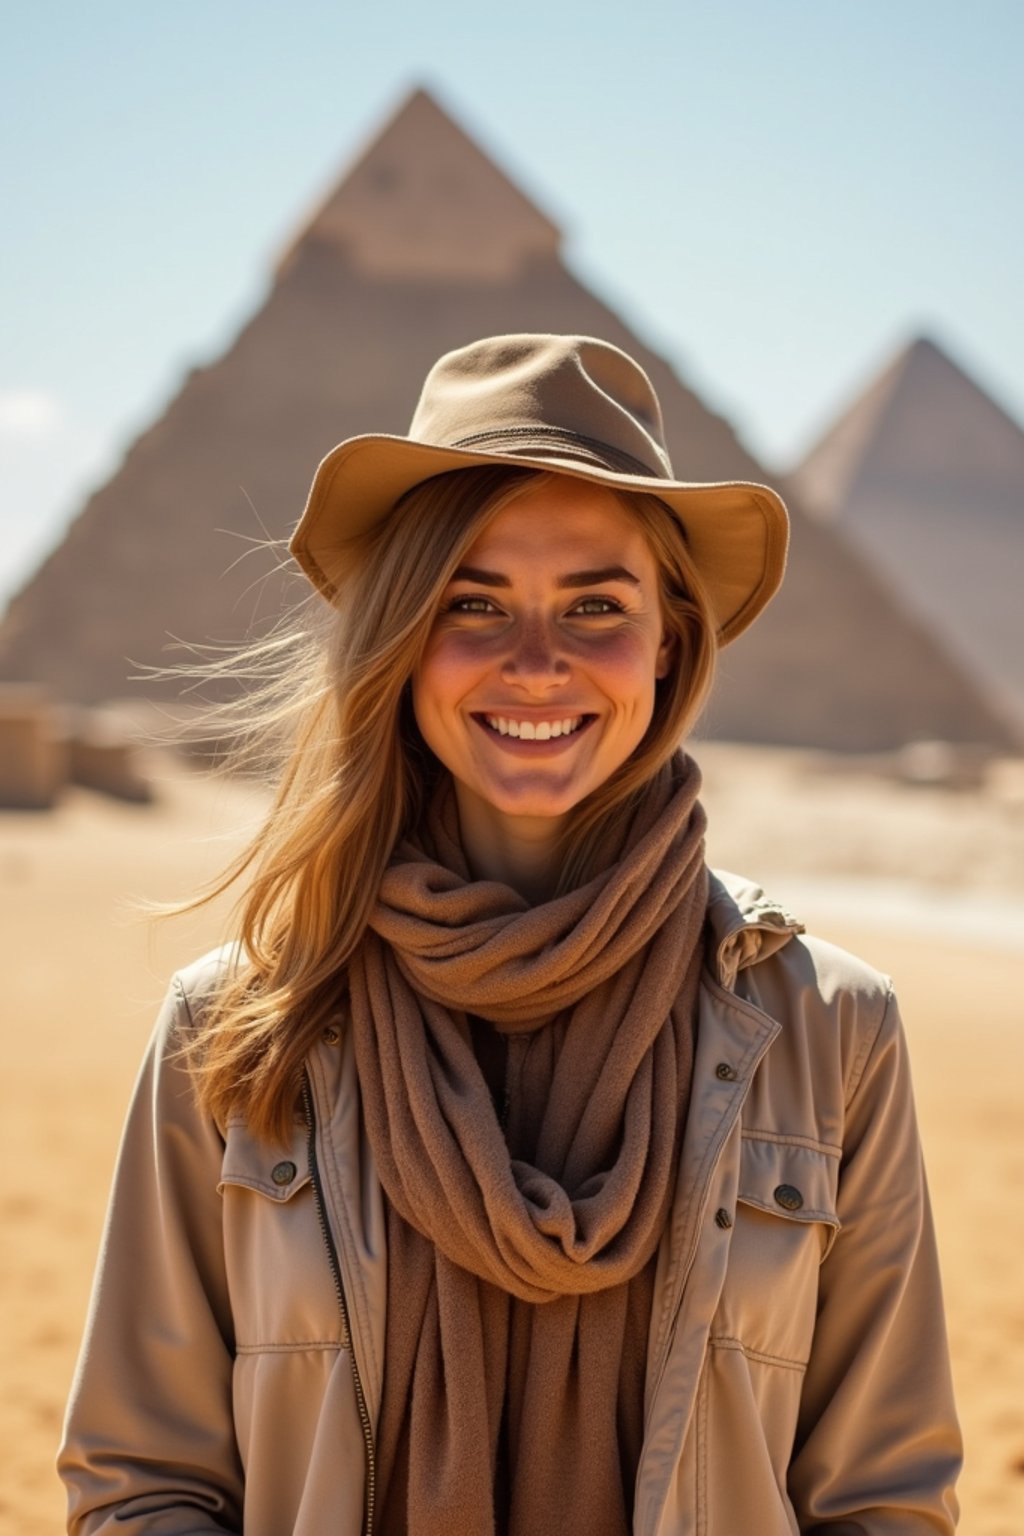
538 679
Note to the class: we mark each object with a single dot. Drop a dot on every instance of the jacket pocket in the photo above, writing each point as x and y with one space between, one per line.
279 1277
784 1226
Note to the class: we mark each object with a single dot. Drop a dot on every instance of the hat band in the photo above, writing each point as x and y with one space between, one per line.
551 442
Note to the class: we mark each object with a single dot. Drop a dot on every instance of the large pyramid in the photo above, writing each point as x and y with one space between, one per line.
423 246
924 474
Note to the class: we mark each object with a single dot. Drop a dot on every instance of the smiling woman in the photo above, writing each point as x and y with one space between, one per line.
512 1171
539 676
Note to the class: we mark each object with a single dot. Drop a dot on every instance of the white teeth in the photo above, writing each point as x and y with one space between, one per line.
529 730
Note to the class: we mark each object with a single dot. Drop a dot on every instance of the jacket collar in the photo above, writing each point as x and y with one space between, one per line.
745 925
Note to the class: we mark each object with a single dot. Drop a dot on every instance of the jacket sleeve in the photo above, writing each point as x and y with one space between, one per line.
149 1443
878 1447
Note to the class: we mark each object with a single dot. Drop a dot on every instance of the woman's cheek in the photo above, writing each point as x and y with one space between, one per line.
625 665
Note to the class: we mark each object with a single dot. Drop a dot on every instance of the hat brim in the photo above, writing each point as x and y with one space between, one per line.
737 532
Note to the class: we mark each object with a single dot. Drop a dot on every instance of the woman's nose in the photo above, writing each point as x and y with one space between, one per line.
535 656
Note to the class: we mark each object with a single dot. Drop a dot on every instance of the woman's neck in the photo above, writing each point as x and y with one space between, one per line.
519 851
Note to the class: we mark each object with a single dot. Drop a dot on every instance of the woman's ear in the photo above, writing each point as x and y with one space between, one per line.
668 651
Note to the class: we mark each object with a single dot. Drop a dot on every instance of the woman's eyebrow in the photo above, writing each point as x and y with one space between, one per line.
595 578
572 579
482 578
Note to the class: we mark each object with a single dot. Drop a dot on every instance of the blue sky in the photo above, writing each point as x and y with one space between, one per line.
776 195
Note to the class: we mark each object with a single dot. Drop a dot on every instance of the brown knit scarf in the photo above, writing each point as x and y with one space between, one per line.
521 1256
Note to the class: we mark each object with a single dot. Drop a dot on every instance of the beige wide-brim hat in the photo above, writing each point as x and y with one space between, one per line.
566 403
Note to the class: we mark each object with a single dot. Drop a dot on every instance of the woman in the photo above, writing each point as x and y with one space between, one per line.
513 1174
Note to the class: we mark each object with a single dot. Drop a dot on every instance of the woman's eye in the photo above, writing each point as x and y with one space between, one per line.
590 606
470 605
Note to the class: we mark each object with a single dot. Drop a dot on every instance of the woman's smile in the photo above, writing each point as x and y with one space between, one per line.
516 730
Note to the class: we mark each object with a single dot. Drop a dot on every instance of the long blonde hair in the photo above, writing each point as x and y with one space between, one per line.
356 775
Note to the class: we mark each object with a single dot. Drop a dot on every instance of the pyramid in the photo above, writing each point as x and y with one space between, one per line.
924 474
423 246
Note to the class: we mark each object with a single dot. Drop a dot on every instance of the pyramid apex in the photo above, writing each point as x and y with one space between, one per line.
924 358
416 94
919 344
423 202
923 406
921 353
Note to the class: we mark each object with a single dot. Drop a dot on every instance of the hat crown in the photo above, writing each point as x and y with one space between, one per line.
546 396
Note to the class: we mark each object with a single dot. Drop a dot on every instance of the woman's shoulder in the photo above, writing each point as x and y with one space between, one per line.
181 1014
816 989
835 1009
749 927
195 983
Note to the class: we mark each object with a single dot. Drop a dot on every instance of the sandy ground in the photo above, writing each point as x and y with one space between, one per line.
926 883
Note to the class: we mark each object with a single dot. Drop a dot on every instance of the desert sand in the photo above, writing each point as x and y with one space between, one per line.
924 882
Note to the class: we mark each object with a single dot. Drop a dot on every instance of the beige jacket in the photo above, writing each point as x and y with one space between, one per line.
797 1373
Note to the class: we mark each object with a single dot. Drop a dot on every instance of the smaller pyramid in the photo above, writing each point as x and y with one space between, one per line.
924 475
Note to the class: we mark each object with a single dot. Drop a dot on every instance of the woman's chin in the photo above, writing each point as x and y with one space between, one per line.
527 802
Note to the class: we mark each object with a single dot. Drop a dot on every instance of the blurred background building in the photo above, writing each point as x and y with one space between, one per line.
899 620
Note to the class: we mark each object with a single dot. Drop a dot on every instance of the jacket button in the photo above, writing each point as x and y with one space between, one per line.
283 1173
789 1197
725 1072
331 1035
722 1218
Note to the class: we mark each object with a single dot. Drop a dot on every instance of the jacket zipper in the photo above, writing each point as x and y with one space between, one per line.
332 1255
